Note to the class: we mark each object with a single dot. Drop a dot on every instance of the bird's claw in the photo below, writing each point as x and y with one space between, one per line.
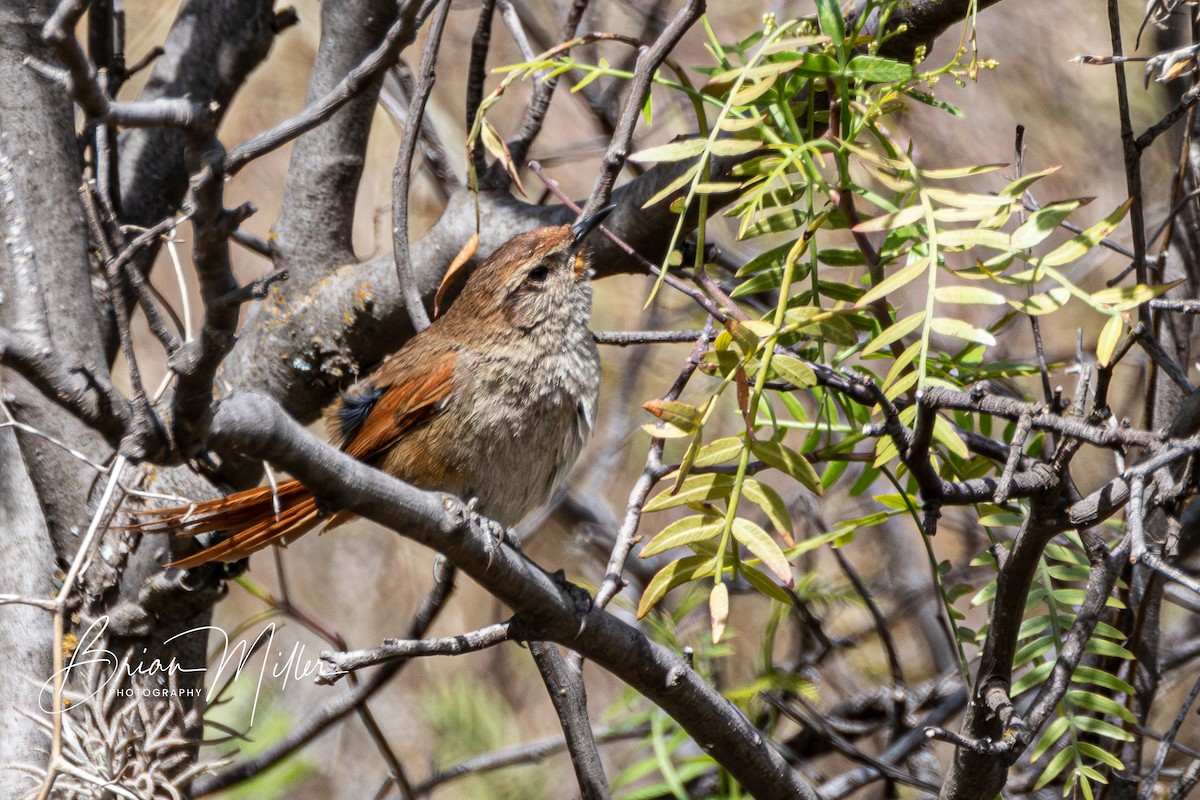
497 533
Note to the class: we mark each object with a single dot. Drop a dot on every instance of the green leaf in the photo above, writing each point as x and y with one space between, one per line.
1100 704
734 147
969 295
1110 334
832 24
1104 647
1080 245
783 222
975 237
1044 221
676 573
841 257
1035 677
674 151
760 543
930 100
944 432
762 282
948 326
696 528
1091 751
682 415
674 186
765 585
949 197
887 222
1123 298
1044 302
1056 765
696 489
772 505
751 91
794 371
878 70
1054 732
954 173
895 332
1018 187
894 282
719 452
789 461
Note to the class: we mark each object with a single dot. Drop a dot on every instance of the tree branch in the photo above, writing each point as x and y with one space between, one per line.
253 425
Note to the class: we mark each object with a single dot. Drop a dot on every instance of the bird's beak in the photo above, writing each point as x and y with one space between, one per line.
585 225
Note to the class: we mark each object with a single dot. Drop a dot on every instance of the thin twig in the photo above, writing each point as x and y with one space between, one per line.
341 664
398 36
402 174
648 62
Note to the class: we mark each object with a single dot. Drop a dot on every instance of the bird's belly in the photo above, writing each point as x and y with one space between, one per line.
508 458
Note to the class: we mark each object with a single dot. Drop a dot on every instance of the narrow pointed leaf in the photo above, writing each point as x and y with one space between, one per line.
760 543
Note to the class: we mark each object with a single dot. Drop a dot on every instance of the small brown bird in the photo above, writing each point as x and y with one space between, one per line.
493 401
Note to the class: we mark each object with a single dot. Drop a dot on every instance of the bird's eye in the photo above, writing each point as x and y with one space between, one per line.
539 274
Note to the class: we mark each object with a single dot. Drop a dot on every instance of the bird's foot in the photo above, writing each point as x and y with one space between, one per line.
497 533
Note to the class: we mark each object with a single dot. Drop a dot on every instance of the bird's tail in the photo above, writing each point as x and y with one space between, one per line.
253 519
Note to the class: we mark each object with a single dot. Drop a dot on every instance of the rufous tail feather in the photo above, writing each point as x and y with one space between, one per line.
253 519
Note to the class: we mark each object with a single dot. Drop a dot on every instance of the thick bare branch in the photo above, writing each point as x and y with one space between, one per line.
253 425
359 41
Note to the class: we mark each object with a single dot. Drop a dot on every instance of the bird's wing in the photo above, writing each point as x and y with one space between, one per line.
391 404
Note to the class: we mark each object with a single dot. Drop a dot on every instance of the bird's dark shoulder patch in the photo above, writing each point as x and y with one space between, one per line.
356 407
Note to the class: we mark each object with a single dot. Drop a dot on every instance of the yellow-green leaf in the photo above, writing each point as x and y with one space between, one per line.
696 489
794 371
737 124
893 282
734 147
760 543
975 237
682 415
886 222
953 173
789 461
1018 187
949 197
695 528
674 186
748 93
719 451
948 326
499 150
944 432
1123 298
969 294
718 610
717 187
1044 302
895 332
772 505
665 430
1044 221
1079 246
674 151
684 570
1110 334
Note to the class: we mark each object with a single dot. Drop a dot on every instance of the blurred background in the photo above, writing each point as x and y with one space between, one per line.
364 583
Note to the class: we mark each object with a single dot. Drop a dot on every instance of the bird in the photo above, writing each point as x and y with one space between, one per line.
492 402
